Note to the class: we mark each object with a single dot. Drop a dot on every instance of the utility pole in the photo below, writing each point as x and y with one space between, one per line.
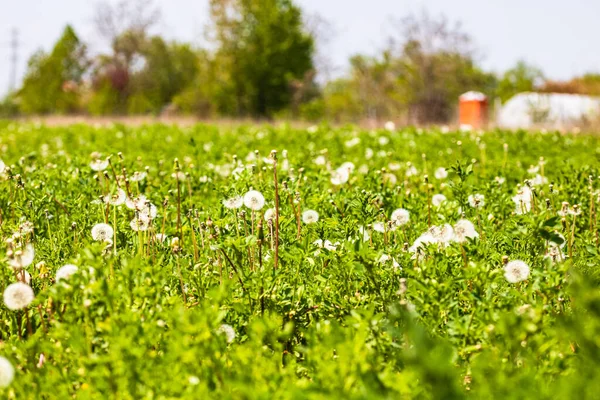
14 47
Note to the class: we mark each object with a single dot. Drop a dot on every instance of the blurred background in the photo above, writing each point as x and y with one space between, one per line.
419 62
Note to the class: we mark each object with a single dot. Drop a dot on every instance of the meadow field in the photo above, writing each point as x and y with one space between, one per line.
261 262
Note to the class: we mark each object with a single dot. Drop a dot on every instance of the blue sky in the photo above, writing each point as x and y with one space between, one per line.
558 36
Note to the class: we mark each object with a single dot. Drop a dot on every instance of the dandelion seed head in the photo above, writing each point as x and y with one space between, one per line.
7 372
400 217
234 202
228 331
254 200
310 216
18 296
516 271
102 232
66 271
476 200
464 230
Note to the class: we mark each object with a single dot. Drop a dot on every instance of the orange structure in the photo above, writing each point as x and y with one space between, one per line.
472 110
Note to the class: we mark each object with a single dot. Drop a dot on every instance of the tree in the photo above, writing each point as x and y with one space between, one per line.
436 64
521 78
262 50
52 81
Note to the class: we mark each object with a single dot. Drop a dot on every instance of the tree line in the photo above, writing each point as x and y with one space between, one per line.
262 61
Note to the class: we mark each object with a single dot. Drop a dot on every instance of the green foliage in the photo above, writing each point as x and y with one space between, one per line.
361 317
521 78
262 50
51 81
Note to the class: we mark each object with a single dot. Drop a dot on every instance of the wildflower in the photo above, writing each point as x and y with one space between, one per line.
463 230
516 271
419 244
193 380
443 234
379 227
139 223
116 199
254 200
148 211
7 372
385 258
499 180
554 254
383 141
400 217
326 244
228 331
320 160
18 296
99 165
411 171
102 232
539 180
21 258
270 214
233 202
438 199
522 200
390 126
533 169
65 272
178 175
340 176
390 179
476 200
161 237
137 203
310 216
138 176
352 142
440 173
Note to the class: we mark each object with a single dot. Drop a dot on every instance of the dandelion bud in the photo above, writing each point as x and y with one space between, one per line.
548 203
426 178
176 164
120 155
504 260
405 247
209 222
274 154
563 221
73 226
147 169
165 202
301 170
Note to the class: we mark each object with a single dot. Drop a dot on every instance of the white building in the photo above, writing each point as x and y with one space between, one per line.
551 110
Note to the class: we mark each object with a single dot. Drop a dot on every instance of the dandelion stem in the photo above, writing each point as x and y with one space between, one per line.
274 155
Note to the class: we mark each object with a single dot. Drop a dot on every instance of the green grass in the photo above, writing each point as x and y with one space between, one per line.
143 318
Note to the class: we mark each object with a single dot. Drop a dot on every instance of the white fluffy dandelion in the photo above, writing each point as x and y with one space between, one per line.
66 271
7 372
270 215
476 200
21 258
438 199
228 331
99 164
18 296
443 234
310 216
340 176
254 200
139 224
464 230
117 198
400 217
102 232
516 271
440 173
137 203
233 202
